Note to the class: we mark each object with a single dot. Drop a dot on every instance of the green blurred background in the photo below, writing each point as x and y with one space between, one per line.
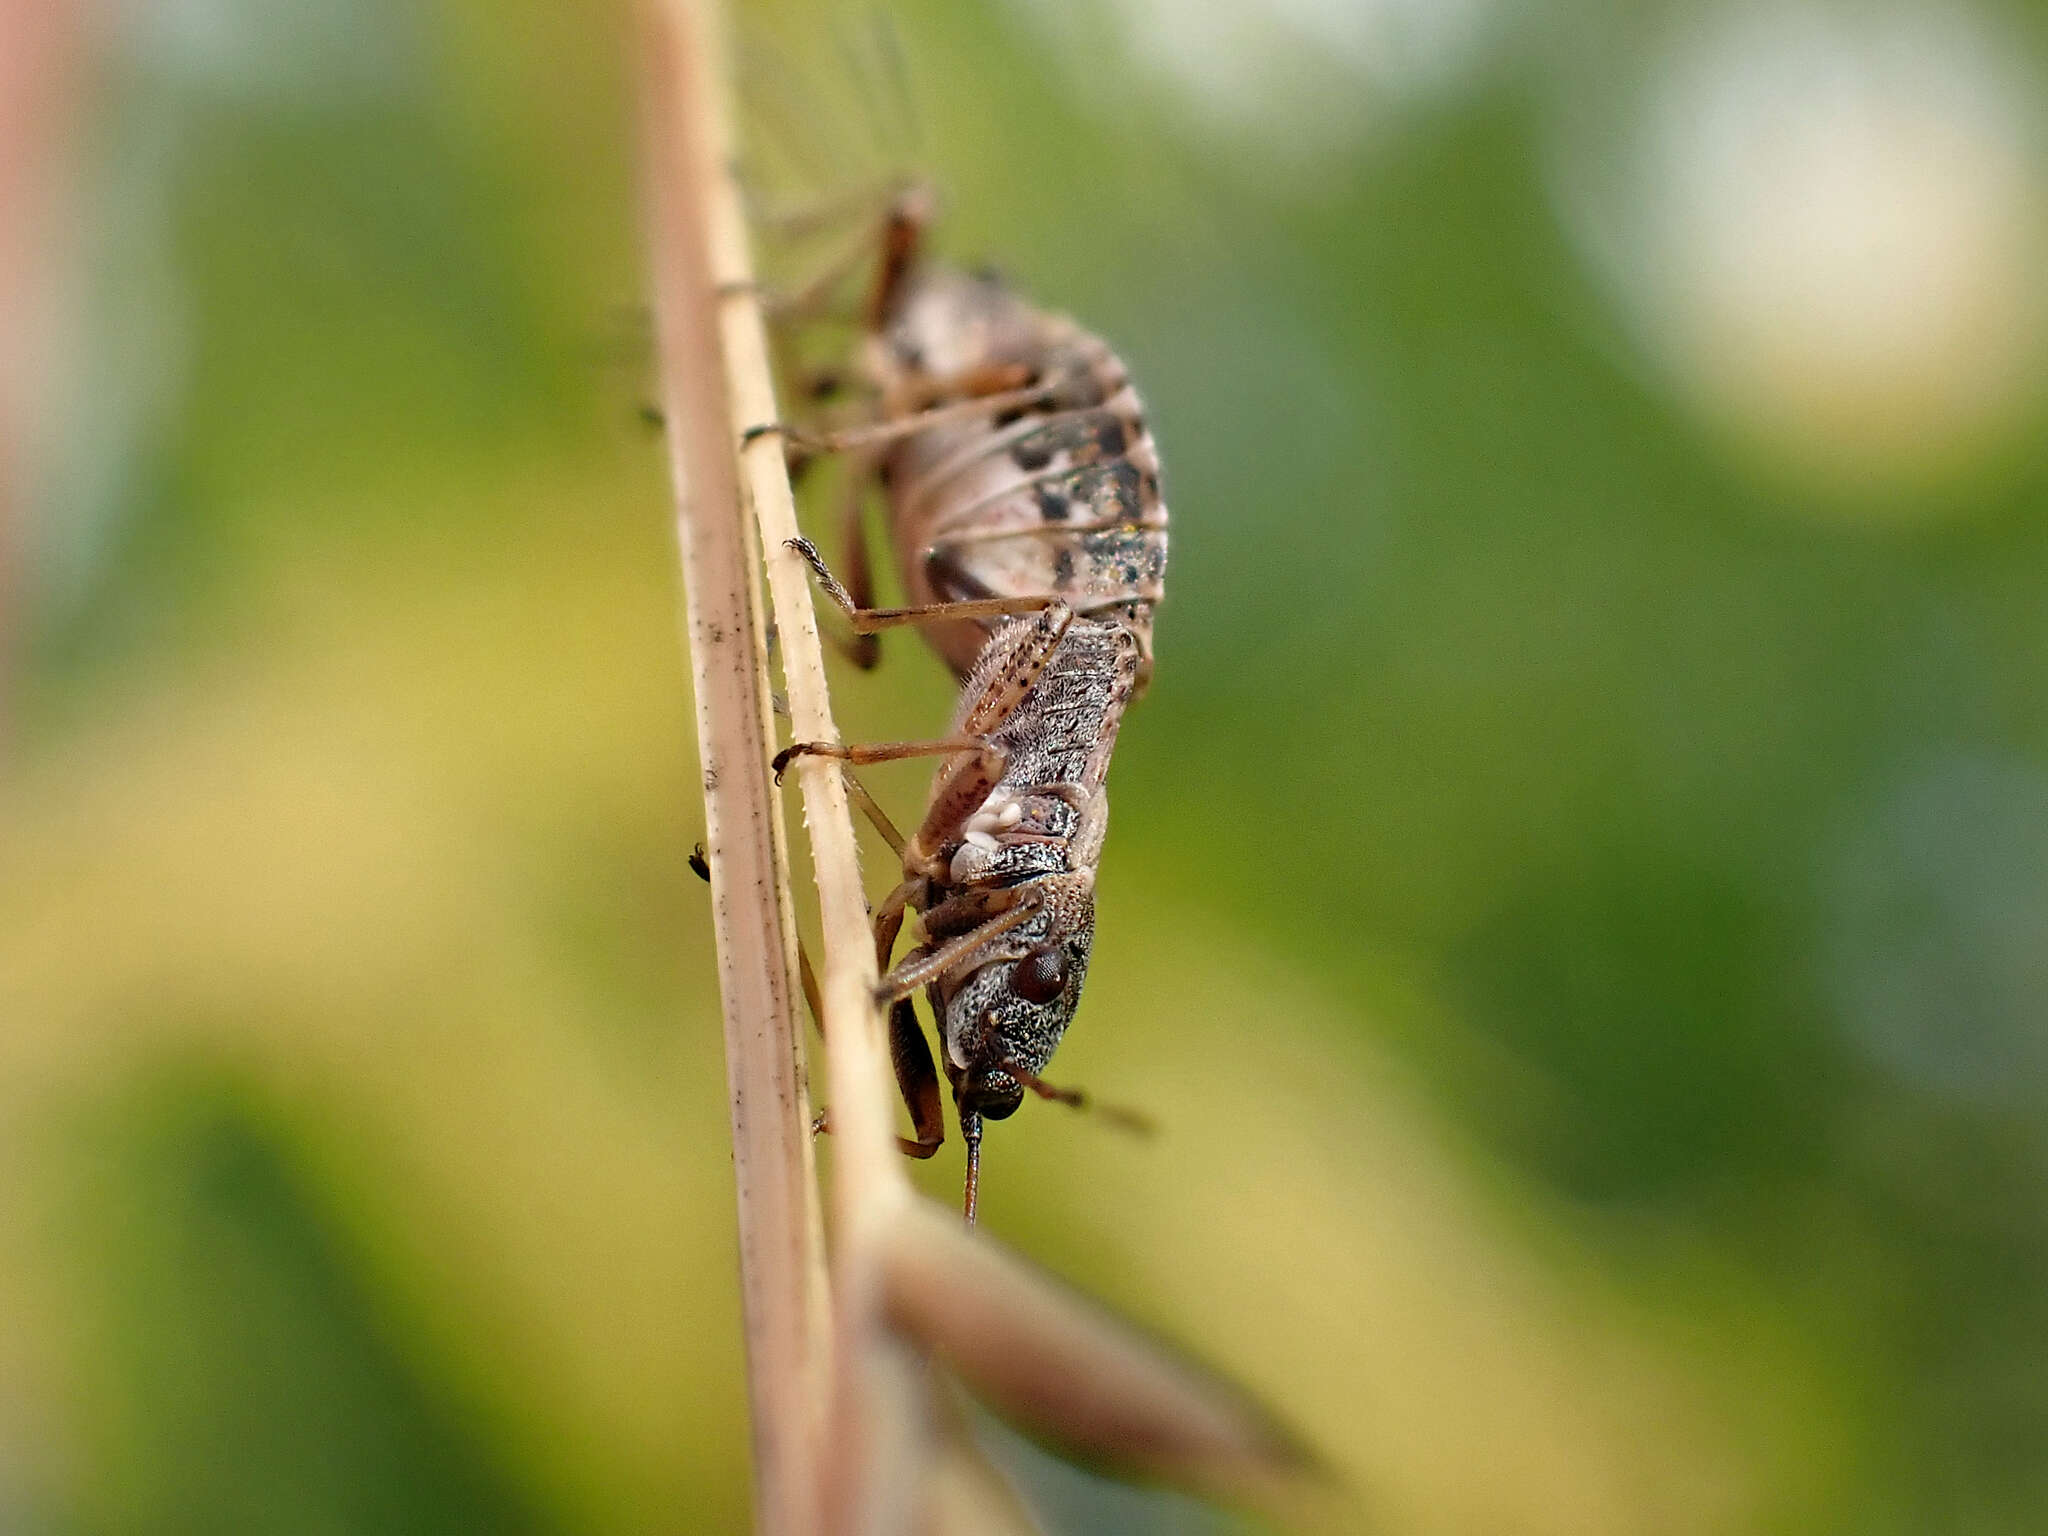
1578 901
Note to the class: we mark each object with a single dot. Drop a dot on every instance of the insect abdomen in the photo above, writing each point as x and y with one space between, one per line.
1060 497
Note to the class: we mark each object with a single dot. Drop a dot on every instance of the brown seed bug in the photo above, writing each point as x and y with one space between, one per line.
1024 502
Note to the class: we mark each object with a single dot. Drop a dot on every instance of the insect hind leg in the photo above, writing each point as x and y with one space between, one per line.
867 620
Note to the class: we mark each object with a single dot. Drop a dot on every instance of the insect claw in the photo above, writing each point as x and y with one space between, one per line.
760 430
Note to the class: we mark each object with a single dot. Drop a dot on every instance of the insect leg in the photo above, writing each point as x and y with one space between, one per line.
955 797
873 752
921 967
909 1055
968 392
1026 659
910 211
862 649
980 403
888 919
870 808
929 1137
875 214
917 1079
808 979
1028 655
866 620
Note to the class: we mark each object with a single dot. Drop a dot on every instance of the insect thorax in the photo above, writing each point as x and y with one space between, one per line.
1065 726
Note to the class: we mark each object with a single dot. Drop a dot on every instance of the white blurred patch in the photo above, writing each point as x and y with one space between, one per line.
114 387
1302 76
1936 944
310 51
1829 222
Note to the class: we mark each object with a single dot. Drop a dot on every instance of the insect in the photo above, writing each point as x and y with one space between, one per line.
1030 535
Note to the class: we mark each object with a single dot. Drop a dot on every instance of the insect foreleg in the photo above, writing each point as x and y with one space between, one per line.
917 1079
956 797
923 966
888 920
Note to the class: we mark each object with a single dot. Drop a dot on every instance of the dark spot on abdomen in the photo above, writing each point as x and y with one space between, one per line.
1031 453
1086 437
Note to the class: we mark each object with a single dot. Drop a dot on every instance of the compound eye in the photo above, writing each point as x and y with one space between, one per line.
1041 975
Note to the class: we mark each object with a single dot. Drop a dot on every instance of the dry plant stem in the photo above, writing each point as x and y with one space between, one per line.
908 1283
781 1250
872 1455
1074 1376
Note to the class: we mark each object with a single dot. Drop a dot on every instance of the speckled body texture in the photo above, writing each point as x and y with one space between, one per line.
1060 497
1056 744
1065 726
1053 495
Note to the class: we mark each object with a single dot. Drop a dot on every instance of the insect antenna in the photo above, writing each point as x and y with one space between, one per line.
1136 1121
783 146
827 104
888 76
